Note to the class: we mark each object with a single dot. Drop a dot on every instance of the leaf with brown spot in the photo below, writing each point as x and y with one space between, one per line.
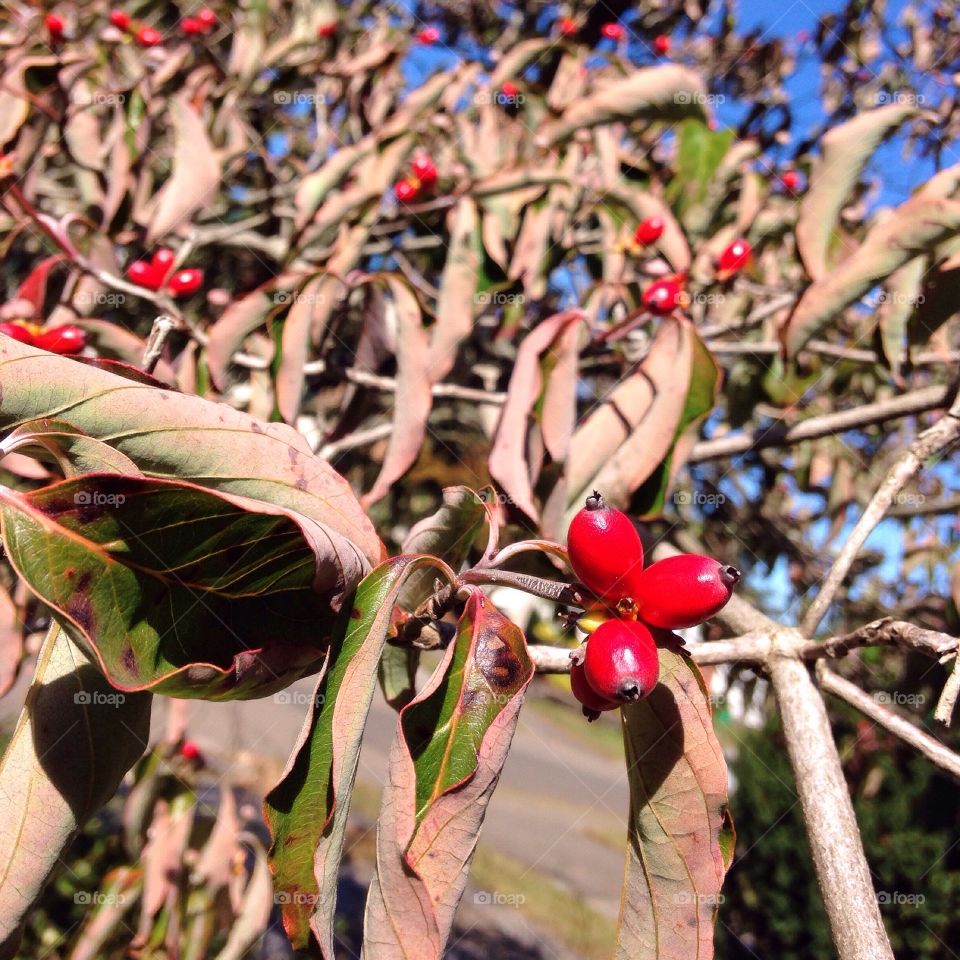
174 588
446 758
307 810
680 833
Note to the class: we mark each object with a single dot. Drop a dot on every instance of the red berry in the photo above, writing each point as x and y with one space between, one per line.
327 29
509 89
621 661
593 703
567 26
425 170
428 35
661 44
733 259
683 591
144 274
406 190
191 26
120 19
206 18
148 37
189 751
64 339
663 296
162 263
648 231
605 549
18 331
790 180
613 31
185 282
55 26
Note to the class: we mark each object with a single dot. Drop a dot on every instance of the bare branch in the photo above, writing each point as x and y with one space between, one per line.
948 697
162 328
884 632
940 436
778 435
838 856
891 721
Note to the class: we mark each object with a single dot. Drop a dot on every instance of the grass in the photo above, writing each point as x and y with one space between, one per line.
602 736
545 905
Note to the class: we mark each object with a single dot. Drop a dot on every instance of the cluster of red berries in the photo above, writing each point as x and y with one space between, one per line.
156 274
666 294
65 339
619 663
423 177
202 23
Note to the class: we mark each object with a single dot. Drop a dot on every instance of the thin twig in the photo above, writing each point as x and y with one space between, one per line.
917 401
899 726
948 697
525 546
933 440
884 632
162 328
548 589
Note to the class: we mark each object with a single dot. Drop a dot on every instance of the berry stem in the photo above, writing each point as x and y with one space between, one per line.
549 547
537 586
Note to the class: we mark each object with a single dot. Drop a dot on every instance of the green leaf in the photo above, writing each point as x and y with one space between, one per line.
446 758
75 740
700 151
307 810
680 833
169 434
174 588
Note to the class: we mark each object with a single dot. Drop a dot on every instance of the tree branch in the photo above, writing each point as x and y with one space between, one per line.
891 721
838 855
933 440
918 401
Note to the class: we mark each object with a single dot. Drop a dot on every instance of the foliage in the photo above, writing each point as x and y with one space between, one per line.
355 298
